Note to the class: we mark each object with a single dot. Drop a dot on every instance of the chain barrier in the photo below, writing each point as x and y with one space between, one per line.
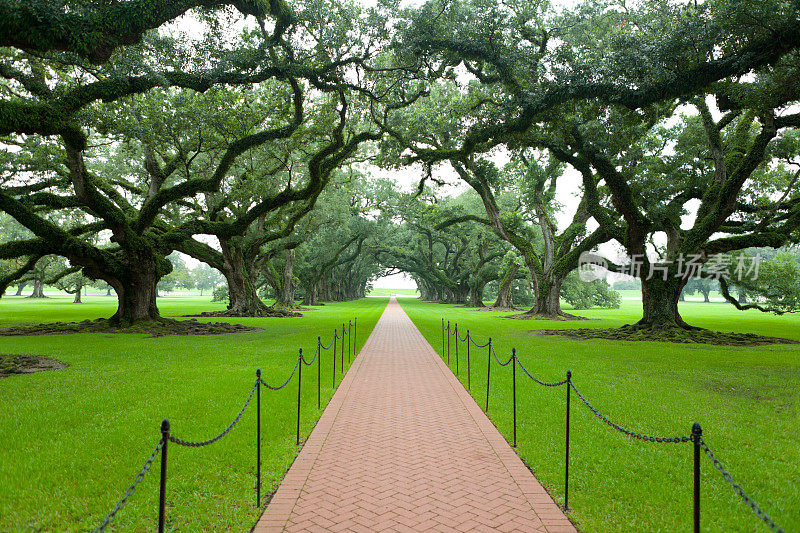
312 361
161 446
131 489
511 358
545 383
739 490
479 345
227 430
328 347
598 414
279 387
699 443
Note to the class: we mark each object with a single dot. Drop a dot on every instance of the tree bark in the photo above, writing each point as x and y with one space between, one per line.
460 295
286 294
243 299
476 294
20 288
548 299
660 303
504 299
77 299
135 285
311 295
38 290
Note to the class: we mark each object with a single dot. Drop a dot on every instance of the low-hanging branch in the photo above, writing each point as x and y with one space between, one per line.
95 32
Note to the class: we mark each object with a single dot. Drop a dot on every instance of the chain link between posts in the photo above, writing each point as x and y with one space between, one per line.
282 385
739 490
132 488
665 440
545 383
227 430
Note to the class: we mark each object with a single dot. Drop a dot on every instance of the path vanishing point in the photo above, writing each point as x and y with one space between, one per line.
403 447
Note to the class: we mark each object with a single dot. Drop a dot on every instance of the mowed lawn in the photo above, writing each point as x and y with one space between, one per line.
72 440
400 293
746 399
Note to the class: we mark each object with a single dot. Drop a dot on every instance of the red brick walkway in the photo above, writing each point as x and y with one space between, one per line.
403 447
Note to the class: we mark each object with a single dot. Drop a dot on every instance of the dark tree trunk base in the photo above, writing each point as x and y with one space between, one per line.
155 328
533 315
495 307
265 312
678 324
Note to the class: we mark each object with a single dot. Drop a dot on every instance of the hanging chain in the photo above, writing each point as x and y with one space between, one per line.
627 431
545 383
279 387
132 488
739 490
227 430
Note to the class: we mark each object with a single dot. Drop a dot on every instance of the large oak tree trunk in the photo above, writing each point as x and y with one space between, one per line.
311 295
20 288
660 303
548 299
38 290
242 297
324 290
476 294
504 299
460 295
136 290
285 297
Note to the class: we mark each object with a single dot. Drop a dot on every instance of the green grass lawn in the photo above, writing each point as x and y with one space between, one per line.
746 400
72 440
400 293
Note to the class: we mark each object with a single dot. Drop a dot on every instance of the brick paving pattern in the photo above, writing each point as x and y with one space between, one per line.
403 447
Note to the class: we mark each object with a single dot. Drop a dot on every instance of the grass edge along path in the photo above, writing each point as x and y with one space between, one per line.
617 483
65 473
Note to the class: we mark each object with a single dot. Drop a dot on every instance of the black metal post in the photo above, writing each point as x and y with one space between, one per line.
258 437
456 349
469 378
488 372
319 372
443 337
299 385
342 367
355 337
349 344
566 457
162 494
335 334
697 435
514 390
448 343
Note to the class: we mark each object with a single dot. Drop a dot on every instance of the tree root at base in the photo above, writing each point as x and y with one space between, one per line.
674 334
155 328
